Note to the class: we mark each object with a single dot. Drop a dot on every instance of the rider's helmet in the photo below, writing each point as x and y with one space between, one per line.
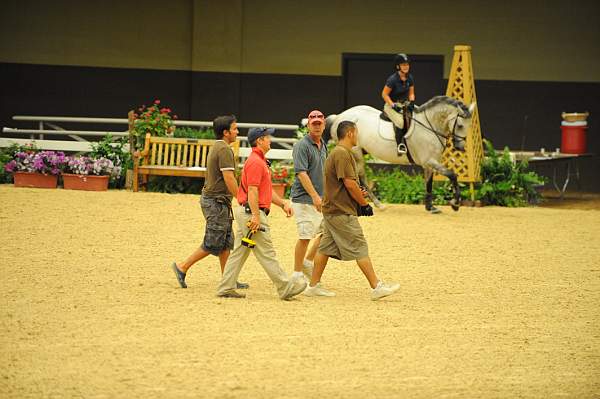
401 59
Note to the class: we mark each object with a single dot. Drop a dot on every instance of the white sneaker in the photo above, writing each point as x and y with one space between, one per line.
382 290
293 288
318 290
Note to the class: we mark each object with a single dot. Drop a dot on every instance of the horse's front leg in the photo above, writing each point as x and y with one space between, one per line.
454 202
428 175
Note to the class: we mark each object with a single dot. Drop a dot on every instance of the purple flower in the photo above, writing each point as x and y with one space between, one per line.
10 167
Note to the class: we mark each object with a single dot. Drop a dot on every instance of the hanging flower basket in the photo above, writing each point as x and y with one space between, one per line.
85 182
36 180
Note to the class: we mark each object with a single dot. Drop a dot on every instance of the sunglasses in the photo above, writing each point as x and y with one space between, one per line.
316 116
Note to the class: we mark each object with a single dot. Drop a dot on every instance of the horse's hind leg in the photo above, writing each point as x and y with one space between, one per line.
428 174
365 183
454 202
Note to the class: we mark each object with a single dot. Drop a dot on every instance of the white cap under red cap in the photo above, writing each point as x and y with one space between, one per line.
316 116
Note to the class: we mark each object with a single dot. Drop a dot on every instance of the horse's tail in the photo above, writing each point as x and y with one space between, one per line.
328 123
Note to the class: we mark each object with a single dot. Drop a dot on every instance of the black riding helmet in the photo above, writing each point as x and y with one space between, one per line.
401 59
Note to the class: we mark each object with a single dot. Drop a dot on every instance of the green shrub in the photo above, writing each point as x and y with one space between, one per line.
115 151
504 183
398 187
188 132
507 183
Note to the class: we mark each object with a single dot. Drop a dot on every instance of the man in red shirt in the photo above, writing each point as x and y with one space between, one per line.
255 196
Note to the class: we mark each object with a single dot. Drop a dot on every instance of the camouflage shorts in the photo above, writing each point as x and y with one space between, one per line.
218 235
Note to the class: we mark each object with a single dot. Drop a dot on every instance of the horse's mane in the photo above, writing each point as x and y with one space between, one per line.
445 100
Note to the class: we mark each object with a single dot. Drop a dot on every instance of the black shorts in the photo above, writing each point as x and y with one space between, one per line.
218 235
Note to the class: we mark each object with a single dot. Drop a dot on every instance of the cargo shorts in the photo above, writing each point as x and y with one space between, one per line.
308 220
343 238
218 233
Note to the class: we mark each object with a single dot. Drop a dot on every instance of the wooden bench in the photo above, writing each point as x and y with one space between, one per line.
165 156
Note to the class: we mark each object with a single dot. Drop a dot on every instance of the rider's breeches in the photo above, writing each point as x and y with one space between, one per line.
396 118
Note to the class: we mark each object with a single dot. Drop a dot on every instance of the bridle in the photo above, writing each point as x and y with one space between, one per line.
439 135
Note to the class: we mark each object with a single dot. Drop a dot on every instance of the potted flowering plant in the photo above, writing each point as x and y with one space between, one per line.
154 119
36 169
84 173
281 177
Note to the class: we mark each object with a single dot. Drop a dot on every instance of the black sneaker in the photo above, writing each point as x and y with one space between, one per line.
180 275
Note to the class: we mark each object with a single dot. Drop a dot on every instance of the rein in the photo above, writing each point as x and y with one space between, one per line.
438 134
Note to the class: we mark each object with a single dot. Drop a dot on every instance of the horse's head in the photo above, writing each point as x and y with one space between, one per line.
459 124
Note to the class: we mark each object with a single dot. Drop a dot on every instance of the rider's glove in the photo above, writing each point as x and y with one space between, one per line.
397 107
411 106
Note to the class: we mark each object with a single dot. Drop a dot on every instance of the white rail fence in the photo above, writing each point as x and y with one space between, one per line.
80 142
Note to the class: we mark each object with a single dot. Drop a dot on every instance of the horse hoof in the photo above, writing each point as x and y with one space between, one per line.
455 206
434 211
381 207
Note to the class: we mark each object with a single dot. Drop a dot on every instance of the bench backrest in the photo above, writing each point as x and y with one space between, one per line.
179 152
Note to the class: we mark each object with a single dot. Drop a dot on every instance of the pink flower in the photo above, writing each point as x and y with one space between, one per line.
156 101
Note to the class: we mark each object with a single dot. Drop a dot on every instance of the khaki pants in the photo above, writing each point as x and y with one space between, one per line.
264 252
396 117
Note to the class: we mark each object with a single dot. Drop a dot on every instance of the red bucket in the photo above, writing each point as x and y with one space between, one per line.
573 137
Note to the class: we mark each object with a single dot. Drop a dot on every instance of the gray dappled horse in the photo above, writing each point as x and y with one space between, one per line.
434 123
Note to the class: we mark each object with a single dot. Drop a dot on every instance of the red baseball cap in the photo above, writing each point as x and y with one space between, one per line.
316 116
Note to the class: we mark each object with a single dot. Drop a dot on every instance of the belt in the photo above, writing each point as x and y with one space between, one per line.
248 210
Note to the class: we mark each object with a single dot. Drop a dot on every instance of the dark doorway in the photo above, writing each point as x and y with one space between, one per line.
364 75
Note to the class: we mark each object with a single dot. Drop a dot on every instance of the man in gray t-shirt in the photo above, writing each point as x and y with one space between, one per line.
307 192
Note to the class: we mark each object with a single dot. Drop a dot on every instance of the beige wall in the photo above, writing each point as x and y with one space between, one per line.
108 33
514 40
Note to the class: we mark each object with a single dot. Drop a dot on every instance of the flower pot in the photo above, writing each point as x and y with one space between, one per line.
37 180
85 182
279 188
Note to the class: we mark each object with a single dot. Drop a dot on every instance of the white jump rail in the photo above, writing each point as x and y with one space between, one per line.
86 146
82 145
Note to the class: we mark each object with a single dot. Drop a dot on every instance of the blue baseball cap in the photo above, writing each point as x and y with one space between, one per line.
257 132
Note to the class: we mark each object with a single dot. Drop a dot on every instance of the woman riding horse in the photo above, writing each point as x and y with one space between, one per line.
399 88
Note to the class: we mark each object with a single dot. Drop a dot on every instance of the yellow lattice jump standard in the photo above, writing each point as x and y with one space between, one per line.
461 86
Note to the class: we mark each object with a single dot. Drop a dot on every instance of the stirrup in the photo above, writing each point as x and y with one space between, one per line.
401 149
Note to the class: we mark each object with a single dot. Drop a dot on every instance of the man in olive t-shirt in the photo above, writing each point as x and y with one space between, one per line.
219 187
220 159
343 201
